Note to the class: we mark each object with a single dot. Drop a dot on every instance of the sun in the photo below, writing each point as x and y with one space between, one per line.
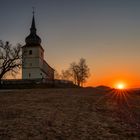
120 86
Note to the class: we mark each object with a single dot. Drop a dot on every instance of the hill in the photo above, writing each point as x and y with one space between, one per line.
69 114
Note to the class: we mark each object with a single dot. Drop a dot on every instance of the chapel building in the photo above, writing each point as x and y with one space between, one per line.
33 64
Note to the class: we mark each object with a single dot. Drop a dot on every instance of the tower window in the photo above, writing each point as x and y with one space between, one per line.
30 52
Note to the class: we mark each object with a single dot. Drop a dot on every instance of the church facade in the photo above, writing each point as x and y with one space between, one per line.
33 64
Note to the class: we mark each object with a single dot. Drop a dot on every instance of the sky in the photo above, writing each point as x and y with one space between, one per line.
104 32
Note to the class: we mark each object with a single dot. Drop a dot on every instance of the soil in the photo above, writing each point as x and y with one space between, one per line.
69 114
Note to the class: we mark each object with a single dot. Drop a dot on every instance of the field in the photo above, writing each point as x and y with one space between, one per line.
69 114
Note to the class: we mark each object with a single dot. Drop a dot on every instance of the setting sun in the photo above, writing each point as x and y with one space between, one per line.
120 86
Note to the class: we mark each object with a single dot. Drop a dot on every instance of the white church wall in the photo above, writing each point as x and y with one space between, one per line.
41 53
33 73
41 63
31 51
31 62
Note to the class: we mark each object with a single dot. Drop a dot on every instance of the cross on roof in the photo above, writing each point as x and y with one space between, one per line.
33 10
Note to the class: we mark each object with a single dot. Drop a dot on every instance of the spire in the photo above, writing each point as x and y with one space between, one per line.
33 38
33 28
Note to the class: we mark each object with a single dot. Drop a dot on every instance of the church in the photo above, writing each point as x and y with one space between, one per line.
33 64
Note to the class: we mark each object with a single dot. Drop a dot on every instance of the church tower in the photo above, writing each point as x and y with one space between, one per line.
33 64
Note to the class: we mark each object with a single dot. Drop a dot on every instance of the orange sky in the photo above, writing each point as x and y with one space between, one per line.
129 79
106 33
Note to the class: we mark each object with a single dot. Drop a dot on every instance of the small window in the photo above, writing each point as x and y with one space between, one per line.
29 74
30 52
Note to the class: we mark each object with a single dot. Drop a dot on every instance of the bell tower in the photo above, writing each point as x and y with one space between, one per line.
33 55
33 64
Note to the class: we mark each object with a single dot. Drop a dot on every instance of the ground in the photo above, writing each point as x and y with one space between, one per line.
69 114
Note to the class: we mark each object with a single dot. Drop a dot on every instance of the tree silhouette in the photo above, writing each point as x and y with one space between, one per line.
66 75
56 75
80 72
10 59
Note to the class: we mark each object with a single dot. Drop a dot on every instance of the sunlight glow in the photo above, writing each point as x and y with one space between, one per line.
120 86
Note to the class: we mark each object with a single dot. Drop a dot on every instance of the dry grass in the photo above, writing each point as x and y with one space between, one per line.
69 114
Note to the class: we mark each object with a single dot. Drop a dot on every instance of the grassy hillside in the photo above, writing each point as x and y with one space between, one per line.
69 114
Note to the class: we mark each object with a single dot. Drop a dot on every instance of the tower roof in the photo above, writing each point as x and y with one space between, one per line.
33 28
33 38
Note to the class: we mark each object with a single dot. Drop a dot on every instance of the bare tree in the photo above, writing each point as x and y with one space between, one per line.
66 75
74 69
10 59
57 75
84 71
80 72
